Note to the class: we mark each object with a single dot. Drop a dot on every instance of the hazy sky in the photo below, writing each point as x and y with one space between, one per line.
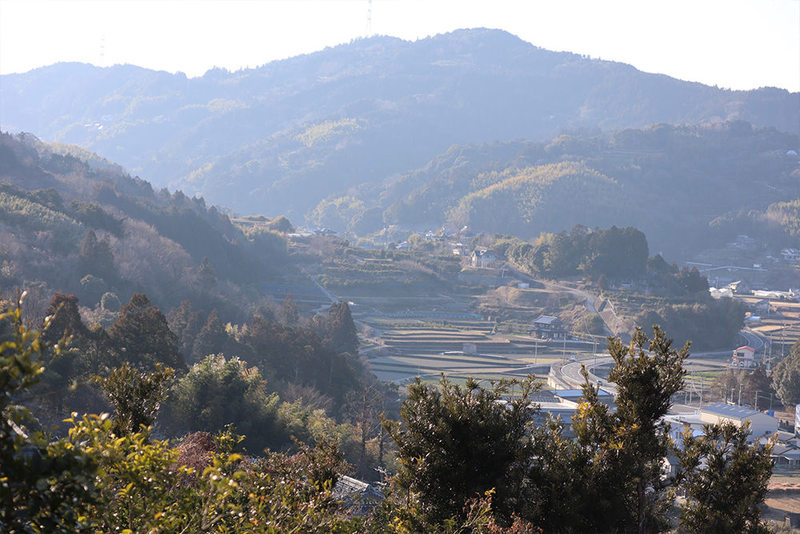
739 44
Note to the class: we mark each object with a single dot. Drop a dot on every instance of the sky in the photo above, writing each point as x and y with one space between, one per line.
737 44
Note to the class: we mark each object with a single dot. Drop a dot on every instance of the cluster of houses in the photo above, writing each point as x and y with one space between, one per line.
763 426
361 497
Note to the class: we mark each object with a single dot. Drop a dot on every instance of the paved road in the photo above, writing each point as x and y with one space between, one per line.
570 373
753 339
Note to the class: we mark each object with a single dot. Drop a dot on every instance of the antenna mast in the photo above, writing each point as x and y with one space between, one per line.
369 18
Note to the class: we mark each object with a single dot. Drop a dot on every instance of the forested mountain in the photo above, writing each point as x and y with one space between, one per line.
76 224
281 137
118 274
684 186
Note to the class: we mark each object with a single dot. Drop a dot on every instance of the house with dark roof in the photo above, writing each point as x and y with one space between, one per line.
549 327
785 455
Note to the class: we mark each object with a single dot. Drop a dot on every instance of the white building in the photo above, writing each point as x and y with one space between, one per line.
744 357
483 258
761 424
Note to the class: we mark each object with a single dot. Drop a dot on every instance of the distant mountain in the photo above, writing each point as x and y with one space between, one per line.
279 138
670 182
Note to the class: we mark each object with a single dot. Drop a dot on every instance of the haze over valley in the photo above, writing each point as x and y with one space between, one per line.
455 284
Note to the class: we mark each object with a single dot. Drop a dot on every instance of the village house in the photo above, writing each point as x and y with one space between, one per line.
744 357
762 307
549 327
761 424
483 258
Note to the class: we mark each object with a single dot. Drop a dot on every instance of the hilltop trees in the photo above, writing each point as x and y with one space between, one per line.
710 323
616 253
342 334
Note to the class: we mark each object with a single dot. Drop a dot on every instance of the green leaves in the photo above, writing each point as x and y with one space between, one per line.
786 377
725 478
457 442
60 473
135 395
626 447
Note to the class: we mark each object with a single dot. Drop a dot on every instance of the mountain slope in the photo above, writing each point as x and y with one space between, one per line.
671 182
279 138
81 226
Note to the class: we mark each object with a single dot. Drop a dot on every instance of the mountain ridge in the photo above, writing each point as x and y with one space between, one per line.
236 138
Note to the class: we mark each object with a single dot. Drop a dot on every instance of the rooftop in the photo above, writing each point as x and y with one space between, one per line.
548 319
578 393
730 410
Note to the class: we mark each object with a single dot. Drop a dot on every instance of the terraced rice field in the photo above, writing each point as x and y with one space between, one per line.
782 327
430 352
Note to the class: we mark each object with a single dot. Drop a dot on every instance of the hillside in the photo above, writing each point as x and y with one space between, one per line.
84 226
678 184
281 137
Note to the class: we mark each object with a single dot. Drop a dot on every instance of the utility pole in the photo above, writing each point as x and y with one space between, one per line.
739 403
769 358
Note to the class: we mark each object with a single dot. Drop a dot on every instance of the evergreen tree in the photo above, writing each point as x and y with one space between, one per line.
64 320
626 491
725 479
207 273
758 388
95 257
142 337
342 333
186 324
211 339
786 377
219 391
67 344
136 396
287 313
456 443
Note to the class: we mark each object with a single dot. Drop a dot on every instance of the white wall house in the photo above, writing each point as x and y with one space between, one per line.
761 424
744 357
